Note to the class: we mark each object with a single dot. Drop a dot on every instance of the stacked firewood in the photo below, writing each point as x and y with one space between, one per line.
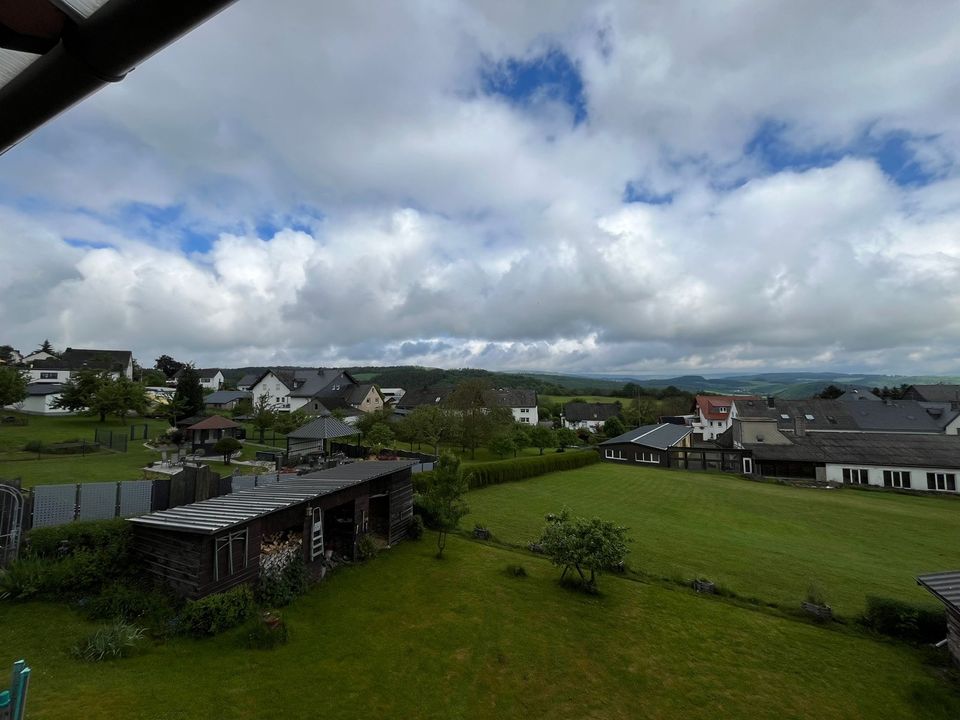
279 550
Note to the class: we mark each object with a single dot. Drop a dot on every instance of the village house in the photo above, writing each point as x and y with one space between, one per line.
590 416
210 378
521 403
213 545
423 397
316 392
246 383
715 413
646 445
226 399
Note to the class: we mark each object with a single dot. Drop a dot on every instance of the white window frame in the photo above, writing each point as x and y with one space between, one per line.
747 466
899 479
614 454
942 481
855 476
647 457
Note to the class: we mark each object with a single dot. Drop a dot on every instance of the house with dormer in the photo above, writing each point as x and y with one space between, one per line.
315 391
715 413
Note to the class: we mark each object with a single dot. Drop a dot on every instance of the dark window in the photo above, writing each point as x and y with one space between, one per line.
896 478
856 476
230 554
48 376
942 481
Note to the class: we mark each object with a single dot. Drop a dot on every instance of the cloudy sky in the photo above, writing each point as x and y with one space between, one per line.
658 187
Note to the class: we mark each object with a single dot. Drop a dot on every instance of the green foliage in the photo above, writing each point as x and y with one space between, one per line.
516 571
131 603
501 445
113 641
97 393
443 499
114 536
168 366
379 436
368 421
904 621
266 632
13 386
189 393
23 579
493 473
366 548
613 427
263 415
543 437
583 545
215 613
227 446
278 589
415 531
566 437
286 423
433 425
520 435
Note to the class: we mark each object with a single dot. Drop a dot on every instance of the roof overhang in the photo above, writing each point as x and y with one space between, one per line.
54 53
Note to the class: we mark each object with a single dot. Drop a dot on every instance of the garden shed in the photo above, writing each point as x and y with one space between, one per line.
945 586
216 544
205 433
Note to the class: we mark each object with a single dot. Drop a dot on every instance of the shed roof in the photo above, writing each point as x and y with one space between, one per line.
214 422
44 388
660 436
945 585
222 513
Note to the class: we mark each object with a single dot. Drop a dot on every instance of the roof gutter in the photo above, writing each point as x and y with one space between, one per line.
99 50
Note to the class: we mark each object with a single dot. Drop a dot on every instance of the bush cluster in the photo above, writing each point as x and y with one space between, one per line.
904 621
415 531
215 613
278 589
130 603
492 473
366 548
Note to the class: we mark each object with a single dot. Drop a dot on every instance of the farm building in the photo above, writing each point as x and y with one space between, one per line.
647 445
945 586
213 545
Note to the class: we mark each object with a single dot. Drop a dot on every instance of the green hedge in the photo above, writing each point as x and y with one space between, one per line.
904 621
96 535
493 473
215 613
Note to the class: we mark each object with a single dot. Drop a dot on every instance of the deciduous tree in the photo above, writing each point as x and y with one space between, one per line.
263 414
443 498
13 386
379 437
543 437
227 446
168 366
583 545
190 391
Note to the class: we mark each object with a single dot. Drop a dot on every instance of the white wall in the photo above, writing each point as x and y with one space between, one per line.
214 383
579 424
60 376
39 405
918 476
526 416
275 390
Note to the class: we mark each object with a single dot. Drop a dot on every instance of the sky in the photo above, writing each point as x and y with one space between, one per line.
664 187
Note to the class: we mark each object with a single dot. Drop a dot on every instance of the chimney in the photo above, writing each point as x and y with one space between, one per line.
770 403
800 426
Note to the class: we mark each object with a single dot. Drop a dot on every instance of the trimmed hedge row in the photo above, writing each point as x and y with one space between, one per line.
501 471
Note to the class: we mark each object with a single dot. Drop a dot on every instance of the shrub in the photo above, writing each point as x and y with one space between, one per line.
266 632
422 480
415 531
366 548
108 643
215 613
121 601
492 473
51 542
280 588
904 621
23 579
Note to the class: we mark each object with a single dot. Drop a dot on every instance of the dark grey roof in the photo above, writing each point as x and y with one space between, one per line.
511 398
424 396
44 388
838 415
249 379
227 511
856 393
580 411
889 449
660 436
79 359
945 585
936 393
224 396
321 429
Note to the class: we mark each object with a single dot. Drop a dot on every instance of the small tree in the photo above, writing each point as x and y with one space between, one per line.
227 446
83 393
13 386
263 414
190 391
566 437
501 445
379 437
521 438
613 427
167 365
443 498
543 437
583 545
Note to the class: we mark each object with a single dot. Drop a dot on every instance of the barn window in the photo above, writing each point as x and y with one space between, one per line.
942 481
855 476
896 478
230 554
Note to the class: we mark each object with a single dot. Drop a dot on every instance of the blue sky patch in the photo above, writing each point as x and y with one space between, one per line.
894 152
550 76
637 193
86 244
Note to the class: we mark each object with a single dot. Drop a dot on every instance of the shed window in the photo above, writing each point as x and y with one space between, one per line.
896 478
941 481
230 554
647 457
48 376
855 476
614 454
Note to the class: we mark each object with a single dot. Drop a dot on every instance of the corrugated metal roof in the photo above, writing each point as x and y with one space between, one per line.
945 585
222 513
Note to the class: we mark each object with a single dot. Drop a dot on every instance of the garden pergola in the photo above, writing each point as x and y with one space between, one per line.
314 434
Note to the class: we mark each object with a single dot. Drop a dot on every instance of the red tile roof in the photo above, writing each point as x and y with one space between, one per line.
708 404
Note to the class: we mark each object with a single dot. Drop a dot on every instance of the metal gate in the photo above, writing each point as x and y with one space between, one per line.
11 523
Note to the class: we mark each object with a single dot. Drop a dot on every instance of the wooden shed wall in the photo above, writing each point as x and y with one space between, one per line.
401 506
173 558
208 582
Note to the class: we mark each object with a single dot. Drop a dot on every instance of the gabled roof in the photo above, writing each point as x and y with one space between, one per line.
511 398
581 411
945 586
226 511
424 396
224 396
890 449
214 422
323 428
204 373
248 380
937 393
81 359
710 405
660 436
844 415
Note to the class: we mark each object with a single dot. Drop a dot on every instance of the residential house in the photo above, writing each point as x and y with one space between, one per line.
213 545
940 394
592 416
901 460
46 376
226 399
392 396
423 397
817 415
36 355
317 392
210 378
715 413
40 399
646 445
247 381
521 403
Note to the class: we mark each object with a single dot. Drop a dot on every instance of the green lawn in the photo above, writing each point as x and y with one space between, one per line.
759 540
410 636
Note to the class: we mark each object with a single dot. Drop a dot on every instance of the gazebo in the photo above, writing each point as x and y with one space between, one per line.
205 433
314 435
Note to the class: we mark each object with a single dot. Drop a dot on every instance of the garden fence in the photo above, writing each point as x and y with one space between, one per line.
113 439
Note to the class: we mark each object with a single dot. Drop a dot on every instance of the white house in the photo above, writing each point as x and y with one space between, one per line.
47 375
317 392
591 416
210 378
715 413
392 395
522 403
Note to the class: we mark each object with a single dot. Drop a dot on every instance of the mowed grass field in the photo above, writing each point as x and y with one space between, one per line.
101 466
410 636
759 540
